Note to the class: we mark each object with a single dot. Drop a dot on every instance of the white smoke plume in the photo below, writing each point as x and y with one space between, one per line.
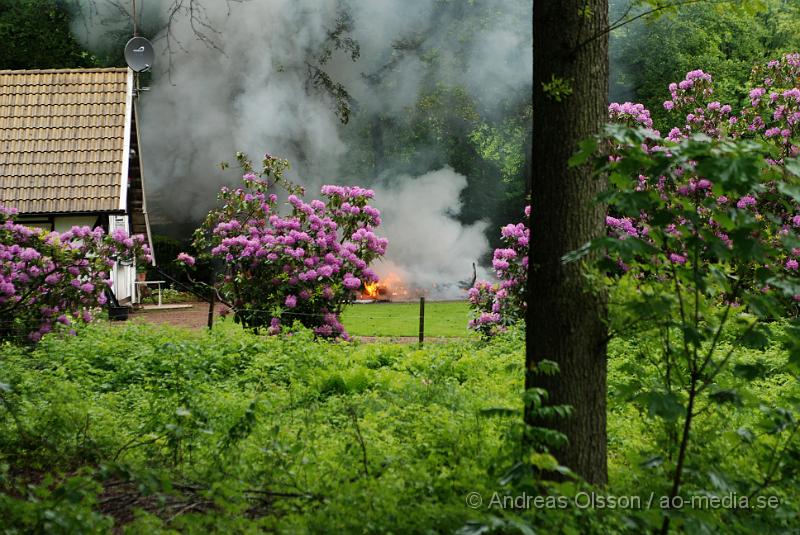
422 233
248 91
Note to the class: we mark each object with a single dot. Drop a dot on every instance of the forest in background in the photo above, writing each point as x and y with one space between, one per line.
445 123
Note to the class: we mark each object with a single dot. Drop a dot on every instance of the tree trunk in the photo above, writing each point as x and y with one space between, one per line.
566 322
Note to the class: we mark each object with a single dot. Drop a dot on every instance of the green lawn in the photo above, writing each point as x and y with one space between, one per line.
442 319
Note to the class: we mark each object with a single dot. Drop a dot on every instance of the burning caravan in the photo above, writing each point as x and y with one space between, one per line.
392 287
69 154
389 288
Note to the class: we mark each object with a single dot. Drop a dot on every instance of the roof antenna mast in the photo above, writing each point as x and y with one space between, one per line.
135 33
139 53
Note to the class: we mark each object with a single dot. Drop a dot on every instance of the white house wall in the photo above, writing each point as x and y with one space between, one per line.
64 223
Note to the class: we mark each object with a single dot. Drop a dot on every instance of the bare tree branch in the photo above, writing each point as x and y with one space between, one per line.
625 19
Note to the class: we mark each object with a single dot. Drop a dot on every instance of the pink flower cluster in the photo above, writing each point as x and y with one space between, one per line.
303 266
47 278
693 97
774 109
495 306
684 93
773 112
630 113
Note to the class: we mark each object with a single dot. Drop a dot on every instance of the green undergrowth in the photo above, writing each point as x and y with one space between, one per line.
152 429
158 428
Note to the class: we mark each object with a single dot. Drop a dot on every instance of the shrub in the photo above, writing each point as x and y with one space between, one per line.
496 306
722 204
305 266
49 279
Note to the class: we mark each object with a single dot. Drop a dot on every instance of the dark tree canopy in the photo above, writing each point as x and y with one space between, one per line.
35 34
650 53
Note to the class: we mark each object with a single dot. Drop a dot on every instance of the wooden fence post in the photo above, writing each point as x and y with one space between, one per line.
421 320
211 310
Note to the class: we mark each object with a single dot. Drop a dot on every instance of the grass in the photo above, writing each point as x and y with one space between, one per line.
445 319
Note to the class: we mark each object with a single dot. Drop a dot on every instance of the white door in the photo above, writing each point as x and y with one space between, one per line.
123 275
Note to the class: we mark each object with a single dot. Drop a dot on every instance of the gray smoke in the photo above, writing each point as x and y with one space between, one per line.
422 234
243 86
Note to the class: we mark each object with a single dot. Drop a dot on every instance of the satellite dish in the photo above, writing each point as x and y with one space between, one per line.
139 54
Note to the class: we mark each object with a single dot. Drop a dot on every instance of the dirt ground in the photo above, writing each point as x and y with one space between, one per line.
194 317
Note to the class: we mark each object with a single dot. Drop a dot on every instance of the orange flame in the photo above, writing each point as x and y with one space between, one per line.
388 288
371 289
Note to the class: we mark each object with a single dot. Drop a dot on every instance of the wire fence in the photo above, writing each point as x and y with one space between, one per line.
284 312
287 316
15 331
383 321
406 325
302 314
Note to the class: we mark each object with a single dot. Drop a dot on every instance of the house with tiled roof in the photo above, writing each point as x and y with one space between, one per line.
69 154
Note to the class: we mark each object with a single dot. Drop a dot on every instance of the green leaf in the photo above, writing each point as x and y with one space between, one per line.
577 254
474 527
778 419
547 367
665 405
543 461
750 370
521 526
719 481
627 248
517 472
793 166
794 357
534 397
628 390
735 172
554 411
724 220
789 286
586 149
763 306
543 435
791 190
723 396
745 434
757 338
744 245
692 334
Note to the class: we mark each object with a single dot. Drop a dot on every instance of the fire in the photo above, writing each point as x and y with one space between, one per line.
371 289
389 288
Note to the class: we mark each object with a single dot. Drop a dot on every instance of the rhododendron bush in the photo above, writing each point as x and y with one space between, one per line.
49 279
689 197
746 216
303 266
495 306
701 256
